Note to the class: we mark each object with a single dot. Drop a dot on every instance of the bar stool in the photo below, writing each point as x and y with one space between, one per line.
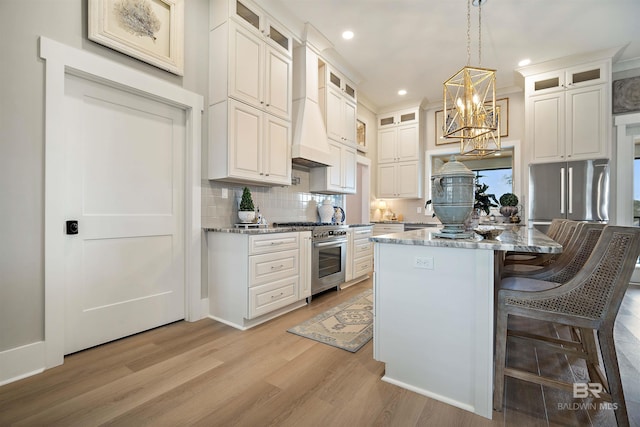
589 303
567 264
555 228
565 232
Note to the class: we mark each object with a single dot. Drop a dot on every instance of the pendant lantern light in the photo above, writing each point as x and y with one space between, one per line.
470 110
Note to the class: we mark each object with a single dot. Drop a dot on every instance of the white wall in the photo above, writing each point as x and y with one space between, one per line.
22 142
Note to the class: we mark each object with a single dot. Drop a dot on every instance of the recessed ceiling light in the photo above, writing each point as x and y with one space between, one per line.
347 35
402 92
524 62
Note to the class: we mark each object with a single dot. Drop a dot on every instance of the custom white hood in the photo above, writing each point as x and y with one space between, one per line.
310 146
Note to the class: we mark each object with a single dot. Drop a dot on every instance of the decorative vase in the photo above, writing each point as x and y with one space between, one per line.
508 211
246 217
452 195
326 211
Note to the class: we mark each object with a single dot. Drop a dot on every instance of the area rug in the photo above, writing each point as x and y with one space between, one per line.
348 326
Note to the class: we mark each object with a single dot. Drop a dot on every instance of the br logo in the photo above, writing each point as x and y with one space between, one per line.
584 390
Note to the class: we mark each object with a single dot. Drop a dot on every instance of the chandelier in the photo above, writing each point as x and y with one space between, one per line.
470 110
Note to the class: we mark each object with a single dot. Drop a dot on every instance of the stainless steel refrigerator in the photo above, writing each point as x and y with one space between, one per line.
577 190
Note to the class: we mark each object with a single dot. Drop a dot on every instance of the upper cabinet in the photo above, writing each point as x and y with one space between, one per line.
338 98
568 112
399 154
337 101
338 179
250 99
399 136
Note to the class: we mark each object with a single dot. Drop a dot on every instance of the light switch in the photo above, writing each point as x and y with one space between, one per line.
225 193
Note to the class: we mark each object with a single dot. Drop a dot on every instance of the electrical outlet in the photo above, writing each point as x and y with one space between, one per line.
418 209
225 193
423 262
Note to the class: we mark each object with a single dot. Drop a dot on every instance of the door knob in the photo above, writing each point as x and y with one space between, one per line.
72 227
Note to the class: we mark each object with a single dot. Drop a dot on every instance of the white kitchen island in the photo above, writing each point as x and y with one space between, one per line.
434 311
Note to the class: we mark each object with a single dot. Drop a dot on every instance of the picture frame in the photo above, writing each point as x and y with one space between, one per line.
502 104
149 30
361 135
626 95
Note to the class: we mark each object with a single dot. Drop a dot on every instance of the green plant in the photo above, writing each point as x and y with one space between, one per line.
483 200
509 199
246 203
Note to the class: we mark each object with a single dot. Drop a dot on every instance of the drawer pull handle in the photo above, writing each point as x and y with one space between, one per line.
276 296
277 267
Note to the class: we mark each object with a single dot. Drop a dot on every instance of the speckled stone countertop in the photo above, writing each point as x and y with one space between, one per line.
513 238
269 230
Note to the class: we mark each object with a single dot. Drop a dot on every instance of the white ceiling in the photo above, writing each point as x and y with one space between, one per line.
418 44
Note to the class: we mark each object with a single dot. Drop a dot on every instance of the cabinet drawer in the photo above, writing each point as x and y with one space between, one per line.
266 298
387 229
272 242
362 233
266 268
362 266
362 248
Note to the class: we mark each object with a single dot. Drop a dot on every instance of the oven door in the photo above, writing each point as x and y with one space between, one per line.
328 264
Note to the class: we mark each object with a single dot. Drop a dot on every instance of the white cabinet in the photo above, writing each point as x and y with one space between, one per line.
399 154
249 145
359 253
250 99
341 117
258 74
568 113
398 118
387 228
339 179
253 278
338 100
399 180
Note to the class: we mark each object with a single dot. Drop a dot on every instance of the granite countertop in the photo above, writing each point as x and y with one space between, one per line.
513 238
268 230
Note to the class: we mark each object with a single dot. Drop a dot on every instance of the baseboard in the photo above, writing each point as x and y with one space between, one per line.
204 308
430 394
21 362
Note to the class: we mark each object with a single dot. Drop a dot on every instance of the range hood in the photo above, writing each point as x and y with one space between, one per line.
310 146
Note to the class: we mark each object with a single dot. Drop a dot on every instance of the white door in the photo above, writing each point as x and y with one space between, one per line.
125 187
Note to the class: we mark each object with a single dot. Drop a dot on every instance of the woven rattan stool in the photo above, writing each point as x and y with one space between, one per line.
588 302
567 264
560 230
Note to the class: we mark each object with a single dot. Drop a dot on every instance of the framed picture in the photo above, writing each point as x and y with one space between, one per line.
626 95
503 107
503 104
149 30
441 140
361 135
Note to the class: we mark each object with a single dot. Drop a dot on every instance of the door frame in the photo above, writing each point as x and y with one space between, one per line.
60 60
627 131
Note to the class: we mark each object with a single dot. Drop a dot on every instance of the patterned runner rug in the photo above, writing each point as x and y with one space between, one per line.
348 326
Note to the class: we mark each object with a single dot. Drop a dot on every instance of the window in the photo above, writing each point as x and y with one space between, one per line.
500 181
495 171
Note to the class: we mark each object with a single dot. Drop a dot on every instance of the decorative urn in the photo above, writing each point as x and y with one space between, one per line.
452 197
326 211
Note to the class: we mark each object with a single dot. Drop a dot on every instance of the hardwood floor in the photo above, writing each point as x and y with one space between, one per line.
209 374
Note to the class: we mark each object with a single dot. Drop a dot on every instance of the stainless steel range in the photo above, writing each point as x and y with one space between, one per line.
329 254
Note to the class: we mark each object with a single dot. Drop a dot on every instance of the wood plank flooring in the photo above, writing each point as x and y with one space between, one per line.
209 374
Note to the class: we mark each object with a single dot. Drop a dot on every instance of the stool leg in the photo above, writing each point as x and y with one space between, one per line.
589 345
610 361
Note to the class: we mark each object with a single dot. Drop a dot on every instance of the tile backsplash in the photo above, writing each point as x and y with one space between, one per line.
276 204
